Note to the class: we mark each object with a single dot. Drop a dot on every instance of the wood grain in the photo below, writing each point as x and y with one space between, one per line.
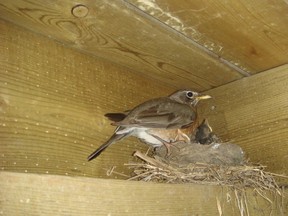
52 102
117 32
31 194
252 112
252 35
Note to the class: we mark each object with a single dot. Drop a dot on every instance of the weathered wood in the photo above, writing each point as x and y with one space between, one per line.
31 194
115 31
250 34
252 112
52 102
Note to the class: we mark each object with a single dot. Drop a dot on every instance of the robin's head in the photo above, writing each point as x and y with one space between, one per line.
188 97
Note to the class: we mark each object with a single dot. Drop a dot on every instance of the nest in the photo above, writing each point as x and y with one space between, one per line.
157 169
215 164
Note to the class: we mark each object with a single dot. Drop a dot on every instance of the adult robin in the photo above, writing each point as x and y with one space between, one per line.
160 121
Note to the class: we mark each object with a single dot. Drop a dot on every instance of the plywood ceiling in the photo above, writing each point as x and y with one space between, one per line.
196 44
252 35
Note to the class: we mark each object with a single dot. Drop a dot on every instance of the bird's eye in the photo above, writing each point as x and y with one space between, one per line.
189 94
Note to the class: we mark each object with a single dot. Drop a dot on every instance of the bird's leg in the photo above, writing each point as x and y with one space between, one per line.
165 143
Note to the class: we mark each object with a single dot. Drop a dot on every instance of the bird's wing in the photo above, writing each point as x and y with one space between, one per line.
159 114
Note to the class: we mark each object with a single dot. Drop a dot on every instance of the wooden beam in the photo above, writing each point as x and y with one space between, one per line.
119 33
32 194
52 102
252 112
251 35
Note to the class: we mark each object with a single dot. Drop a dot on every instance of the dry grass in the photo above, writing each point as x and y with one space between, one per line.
158 170
238 178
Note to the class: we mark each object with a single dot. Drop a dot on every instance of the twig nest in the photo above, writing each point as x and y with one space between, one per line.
215 153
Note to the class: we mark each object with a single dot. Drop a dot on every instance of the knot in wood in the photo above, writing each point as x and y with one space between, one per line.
80 11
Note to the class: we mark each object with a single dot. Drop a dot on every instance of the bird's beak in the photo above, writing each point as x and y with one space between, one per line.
203 97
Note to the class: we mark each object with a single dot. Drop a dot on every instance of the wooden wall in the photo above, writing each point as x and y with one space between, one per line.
252 112
52 102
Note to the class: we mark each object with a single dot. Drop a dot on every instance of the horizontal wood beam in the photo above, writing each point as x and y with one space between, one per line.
32 194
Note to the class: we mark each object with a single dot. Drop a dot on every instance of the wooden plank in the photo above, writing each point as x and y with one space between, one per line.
250 34
115 31
52 102
31 194
252 112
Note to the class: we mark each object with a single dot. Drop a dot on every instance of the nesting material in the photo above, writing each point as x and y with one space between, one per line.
204 160
157 169
237 177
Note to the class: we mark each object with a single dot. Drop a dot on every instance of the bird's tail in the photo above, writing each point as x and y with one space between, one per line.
116 117
115 137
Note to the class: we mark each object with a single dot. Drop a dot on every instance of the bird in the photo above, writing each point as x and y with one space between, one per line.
204 134
157 122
